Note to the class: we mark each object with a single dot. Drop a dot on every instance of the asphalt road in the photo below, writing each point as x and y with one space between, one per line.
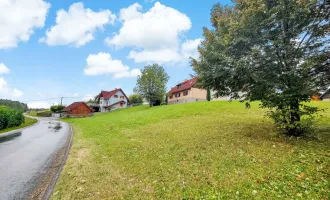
29 161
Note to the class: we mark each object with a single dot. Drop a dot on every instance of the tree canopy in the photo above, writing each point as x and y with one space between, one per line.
151 84
14 104
57 109
273 51
136 99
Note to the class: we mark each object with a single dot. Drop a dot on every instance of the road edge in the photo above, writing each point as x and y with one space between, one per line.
16 132
50 188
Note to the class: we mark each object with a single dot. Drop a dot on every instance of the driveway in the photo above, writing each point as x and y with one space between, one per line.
30 161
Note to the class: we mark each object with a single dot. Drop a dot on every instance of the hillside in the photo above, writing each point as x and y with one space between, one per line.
198 150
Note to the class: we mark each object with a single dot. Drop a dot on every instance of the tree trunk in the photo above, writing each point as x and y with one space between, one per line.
150 103
294 118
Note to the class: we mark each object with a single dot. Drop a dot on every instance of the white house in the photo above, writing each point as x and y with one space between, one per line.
112 100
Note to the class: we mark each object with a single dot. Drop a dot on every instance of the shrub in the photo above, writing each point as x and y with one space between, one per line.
10 117
136 99
45 113
57 109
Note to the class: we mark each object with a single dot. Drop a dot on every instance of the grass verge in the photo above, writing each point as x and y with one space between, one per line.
206 150
28 122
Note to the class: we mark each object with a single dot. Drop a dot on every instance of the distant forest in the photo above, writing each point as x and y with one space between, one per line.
14 104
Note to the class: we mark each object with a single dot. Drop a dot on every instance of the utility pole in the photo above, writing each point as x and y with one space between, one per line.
61 100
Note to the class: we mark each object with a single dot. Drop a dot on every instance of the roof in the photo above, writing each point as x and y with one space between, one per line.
116 103
324 95
108 94
185 85
74 105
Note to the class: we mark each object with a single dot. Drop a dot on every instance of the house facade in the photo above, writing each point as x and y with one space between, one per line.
77 109
186 92
112 100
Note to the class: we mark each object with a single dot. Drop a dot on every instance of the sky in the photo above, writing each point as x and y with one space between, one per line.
52 49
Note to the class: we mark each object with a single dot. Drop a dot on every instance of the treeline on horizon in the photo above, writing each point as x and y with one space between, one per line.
23 107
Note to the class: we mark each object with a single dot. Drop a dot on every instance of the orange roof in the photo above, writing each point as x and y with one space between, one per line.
74 105
185 85
108 94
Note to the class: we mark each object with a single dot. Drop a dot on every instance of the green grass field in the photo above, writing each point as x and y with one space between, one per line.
206 150
28 122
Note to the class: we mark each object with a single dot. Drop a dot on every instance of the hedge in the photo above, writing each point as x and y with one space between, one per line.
10 117
46 113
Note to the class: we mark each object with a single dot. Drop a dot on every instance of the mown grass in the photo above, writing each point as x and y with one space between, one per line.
28 122
207 150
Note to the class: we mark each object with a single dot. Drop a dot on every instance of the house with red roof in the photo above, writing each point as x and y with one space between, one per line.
77 109
185 92
112 100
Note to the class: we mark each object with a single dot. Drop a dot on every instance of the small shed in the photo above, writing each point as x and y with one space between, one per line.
77 109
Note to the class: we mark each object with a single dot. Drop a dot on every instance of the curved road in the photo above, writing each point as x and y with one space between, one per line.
30 161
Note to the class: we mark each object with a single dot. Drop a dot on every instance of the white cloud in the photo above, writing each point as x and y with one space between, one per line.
77 25
130 13
3 68
156 34
19 19
75 95
7 92
102 63
39 104
159 27
189 48
17 93
167 55
158 55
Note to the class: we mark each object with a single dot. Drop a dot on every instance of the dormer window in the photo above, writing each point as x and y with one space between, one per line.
179 86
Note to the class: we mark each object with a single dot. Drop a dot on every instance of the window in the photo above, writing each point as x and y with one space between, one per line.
177 95
185 93
116 96
122 97
171 96
179 86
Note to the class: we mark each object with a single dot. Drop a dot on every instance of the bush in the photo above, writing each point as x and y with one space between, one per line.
57 109
46 113
136 99
10 117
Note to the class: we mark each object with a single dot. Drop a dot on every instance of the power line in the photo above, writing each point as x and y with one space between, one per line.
56 98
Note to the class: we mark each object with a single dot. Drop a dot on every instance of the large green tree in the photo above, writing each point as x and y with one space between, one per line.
151 84
273 51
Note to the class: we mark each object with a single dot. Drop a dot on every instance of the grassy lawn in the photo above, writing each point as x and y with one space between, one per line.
210 150
28 122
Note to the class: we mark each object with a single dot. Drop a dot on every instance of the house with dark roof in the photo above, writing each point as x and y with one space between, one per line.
185 92
77 109
112 100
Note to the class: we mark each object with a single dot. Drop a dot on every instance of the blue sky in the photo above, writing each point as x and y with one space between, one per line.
50 49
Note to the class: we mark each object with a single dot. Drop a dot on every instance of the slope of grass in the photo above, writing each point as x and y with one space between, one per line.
28 122
210 150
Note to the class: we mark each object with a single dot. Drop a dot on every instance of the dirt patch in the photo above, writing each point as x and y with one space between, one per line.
82 153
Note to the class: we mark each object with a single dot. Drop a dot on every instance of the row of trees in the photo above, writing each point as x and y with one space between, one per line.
273 51
10 117
14 104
